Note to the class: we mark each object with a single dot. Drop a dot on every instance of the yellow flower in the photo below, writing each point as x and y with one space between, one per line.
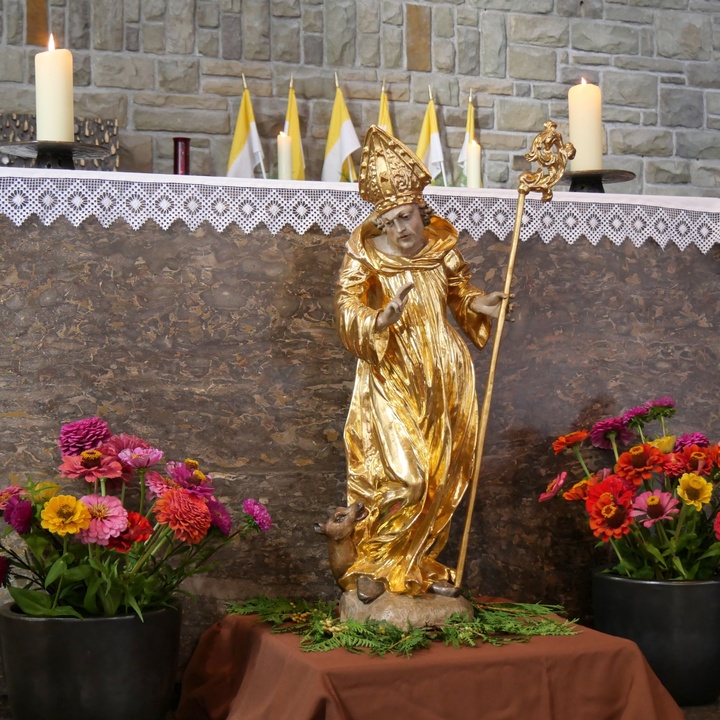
664 444
44 491
65 514
695 490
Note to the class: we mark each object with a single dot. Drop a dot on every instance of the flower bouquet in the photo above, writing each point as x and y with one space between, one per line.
657 505
122 537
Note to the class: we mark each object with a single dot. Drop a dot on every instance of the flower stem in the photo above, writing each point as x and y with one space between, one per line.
611 438
576 450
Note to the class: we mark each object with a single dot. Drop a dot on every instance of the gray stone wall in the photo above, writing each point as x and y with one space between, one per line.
169 67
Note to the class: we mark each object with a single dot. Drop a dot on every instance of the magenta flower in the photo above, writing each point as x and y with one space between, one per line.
220 517
616 427
716 526
258 512
189 476
653 506
82 435
663 402
7 493
4 570
157 485
553 488
636 416
18 514
693 438
108 519
140 457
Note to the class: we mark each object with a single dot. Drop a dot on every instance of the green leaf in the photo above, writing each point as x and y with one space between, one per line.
57 569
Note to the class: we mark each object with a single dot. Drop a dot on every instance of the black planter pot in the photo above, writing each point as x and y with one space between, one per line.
115 668
676 625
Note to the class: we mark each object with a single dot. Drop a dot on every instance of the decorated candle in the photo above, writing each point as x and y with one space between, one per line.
474 179
54 94
284 143
586 131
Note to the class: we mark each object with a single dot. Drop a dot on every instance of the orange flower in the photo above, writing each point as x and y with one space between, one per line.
609 504
188 515
698 460
579 490
566 441
639 463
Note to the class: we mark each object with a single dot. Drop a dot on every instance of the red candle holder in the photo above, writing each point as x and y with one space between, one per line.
181 156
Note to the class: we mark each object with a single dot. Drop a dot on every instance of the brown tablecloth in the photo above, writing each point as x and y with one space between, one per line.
241 671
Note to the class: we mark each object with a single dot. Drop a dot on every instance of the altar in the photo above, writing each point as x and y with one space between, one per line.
201 310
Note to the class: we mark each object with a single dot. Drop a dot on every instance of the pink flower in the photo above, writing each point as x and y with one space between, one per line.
716 526
7 493
82 435
116 444
18 514
654 505
616 427
219 516
157 485
636 415
258 512
140 457
553 488
108 519
90 465
189 476
694 438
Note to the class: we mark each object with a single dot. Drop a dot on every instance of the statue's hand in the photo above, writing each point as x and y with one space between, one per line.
490 304
392 312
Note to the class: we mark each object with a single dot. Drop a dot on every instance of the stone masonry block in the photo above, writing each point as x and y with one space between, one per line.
417 37
368 16
184 121
286 8
132 10
312 49
706 175
712 100
443 56
531 63
285 41
181 76
154 10
208 15
231 36
78 24
392 12
180 26
107 29
630 89
609 38
312 19
697 145
520 115
256 30
661 172
494 45
132 38
468 50
340 31
467 16
369 49
582 8
538 30
14 19
103 105
443 24
682 107
392 46
704 75
12 62
128 72
686 36
646 142
152 38
207 43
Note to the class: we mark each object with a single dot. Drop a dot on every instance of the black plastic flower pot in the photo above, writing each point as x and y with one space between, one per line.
676 625
114 668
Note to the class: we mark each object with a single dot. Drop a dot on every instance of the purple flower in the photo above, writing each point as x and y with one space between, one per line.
18 514
4 569
189 476
140 457
694 438
219 517
616 427
258 512
636 416
663 407
82 435
664 402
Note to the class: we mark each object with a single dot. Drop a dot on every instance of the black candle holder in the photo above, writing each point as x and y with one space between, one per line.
50 154
593 181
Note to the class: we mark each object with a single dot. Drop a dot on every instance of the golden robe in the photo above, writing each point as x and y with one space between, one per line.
411 429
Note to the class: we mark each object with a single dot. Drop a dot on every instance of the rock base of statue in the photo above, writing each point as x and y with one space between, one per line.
420 611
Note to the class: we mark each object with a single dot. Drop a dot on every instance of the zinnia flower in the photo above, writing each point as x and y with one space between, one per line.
662 407
138 530
654 506
616 428
552 489
695 490
82 435
665 444
636 417
140 457
580 489
108 518
189 476
90 465
7 493
157 485
18 514
639 463
4 570
259 514
220 517
567 441
716 526
608 504
65 514
698 460
186 514
694 438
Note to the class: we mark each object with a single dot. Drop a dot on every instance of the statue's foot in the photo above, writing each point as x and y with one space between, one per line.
369 589
443 587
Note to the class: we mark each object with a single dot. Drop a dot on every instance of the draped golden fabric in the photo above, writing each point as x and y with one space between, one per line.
411 429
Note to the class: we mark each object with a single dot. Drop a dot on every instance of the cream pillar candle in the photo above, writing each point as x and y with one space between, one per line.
586 131
54 95
474 177
284 145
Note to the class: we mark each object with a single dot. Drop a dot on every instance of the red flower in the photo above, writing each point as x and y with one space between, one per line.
4 569
609 504
138 531
639 463
567 441
186 514
698 460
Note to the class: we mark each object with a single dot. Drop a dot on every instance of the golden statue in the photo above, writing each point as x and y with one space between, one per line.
411 430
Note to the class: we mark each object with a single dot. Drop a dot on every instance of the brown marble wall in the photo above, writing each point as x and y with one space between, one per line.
221 346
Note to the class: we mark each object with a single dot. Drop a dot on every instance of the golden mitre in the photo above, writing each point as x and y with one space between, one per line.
391 174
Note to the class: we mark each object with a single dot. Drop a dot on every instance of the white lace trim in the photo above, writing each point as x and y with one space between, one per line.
194 200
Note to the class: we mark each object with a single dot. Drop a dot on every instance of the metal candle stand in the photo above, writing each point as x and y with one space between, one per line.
55 155
593 181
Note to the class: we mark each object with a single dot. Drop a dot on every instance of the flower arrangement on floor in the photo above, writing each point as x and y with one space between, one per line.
124 545
658 504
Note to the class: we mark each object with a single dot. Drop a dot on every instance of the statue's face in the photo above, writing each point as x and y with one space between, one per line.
403 228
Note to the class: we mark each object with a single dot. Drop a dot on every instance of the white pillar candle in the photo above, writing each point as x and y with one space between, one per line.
284 145
54 95
586 131
473 163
